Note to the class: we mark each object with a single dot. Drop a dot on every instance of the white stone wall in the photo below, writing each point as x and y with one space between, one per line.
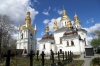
83 36
57 37
26 42
76 48
63 24
77 26
82 46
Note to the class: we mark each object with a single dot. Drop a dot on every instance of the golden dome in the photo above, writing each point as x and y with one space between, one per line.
27 23
64 16
63 12
55 25
47 29
76 19
29 26
69 24
28 18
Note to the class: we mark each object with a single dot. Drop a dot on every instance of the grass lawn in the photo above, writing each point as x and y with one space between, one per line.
74 56
76 63
16 61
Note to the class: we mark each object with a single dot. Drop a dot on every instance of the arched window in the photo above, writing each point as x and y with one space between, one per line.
67 43
31 36
22 36
65 23
44 46
85 41
72 43
60 41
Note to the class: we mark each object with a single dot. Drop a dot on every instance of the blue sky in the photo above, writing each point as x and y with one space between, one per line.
88 11
44 11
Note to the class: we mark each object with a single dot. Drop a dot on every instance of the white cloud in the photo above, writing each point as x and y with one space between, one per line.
93 28
46 21
17 9
15 36
89 39
59 11
45 13
90 20
38 42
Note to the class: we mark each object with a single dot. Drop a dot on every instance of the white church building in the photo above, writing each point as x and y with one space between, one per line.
70 37
27 36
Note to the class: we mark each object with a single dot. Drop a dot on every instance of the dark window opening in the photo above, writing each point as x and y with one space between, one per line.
51 42
67 43
60 41
72 43
22 36
31 36
85 41
44 46
65 23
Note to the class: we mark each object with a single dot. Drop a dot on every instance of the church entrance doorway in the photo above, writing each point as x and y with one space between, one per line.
60 50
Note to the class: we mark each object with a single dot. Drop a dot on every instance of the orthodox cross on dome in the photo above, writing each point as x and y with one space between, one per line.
63 12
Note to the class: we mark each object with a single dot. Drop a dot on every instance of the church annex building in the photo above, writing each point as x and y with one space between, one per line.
70 37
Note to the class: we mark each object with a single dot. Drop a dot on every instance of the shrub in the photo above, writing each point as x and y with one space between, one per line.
96 61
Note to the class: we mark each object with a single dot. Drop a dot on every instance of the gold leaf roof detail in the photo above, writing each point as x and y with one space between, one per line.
27 22
64 16
55 25
47 29
76 19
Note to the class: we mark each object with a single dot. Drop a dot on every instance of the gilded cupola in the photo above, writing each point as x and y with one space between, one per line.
55 25
76 20
28 18
47 29
64 16
69 24
27 22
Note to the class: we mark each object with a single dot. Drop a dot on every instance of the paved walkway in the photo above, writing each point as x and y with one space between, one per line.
87 59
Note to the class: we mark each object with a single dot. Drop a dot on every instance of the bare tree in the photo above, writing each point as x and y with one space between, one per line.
6 29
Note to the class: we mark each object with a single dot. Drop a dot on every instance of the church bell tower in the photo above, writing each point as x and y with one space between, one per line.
27 35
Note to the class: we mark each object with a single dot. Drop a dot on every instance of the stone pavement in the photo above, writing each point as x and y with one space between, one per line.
87 59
